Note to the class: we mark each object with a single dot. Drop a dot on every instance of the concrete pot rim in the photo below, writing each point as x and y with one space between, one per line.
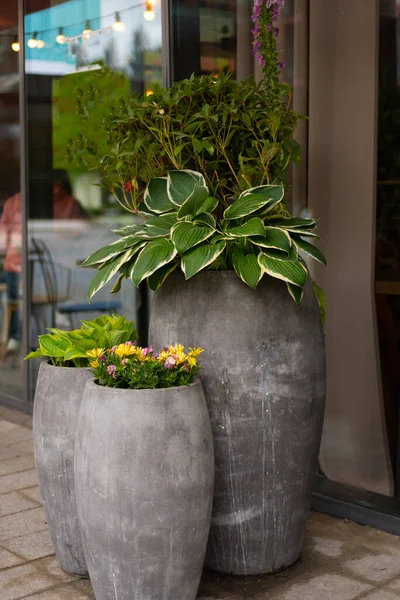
128 391
47 363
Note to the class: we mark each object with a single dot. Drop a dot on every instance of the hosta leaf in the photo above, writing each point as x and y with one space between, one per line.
254 199
200 257
34 354
247 268
292 256
154 255
118 284
181 185
296 292
195 203
107 272
157 279
296 223
53 345
128 230
274 192
205 219
185 235
108 252
157 227
252 227
79 349
321 301
274 238
309 249
156 196
290 271
303 232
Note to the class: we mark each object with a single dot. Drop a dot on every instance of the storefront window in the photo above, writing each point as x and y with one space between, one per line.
113 48
11 385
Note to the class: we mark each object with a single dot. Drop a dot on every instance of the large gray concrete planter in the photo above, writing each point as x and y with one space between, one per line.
58 398
263 373
144 473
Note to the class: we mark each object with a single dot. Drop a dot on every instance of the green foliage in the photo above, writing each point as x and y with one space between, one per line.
69 348
226 130
131 367
254 236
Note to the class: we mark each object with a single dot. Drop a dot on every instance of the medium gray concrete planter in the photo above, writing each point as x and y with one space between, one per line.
263 373
144 472
58 398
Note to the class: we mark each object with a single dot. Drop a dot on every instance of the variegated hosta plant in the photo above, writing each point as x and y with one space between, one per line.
255 236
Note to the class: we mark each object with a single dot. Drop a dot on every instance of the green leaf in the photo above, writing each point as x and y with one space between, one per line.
154 255
79 350
157 279
274 238
158 227
107 272
200 257
309 249
35 354
254 199
195 203
247 268
156 196
117 247
185 235
292 256
181 184
321 301
296 223
290 271
209 147
296 292
252 227
205 219
51 345
118 284
128 230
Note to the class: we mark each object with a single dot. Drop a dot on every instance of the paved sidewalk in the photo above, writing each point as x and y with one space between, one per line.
341 560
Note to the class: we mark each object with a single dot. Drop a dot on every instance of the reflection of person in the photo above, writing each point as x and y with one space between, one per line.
65 206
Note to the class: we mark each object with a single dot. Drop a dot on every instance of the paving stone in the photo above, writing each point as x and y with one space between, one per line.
321 587
378 568
19 434
325 546
23 447
394 585
52 568
6 426
20 581
381 595
31 546
22 523
14 465
7 559
7 452
18 481
14 502
33 494
64 592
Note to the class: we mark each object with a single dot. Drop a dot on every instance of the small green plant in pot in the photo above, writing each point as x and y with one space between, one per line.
59 389
144 464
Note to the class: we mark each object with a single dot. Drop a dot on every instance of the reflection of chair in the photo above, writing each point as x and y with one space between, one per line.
57 284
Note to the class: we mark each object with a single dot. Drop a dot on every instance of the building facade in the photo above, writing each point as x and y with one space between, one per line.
343 61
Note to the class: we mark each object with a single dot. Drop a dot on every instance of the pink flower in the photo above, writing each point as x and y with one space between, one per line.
147 351
170 362
103 358
112 370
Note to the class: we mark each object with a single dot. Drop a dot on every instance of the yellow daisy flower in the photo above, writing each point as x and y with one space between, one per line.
125 350
95 353
195 352
94 364
192 361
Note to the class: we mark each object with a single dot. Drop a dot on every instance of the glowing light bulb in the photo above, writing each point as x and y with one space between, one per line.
32 42
39 44
118 25
15 45
61 38
149 14
87 32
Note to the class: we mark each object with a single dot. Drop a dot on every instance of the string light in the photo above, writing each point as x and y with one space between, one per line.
87 32
15 45
61 38
39 44
149 14
118 25
32 42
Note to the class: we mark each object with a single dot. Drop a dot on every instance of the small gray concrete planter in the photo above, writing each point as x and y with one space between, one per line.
58 398
263 373
144 472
